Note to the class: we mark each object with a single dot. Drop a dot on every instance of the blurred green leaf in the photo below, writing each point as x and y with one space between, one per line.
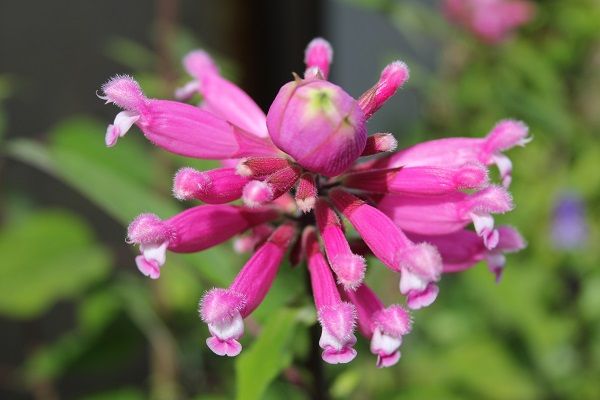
97 310
345 383
47 257
118 183
94 314
130 53
118 394
257 366
179 286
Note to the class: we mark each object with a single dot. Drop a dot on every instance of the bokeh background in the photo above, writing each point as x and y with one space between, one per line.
77 321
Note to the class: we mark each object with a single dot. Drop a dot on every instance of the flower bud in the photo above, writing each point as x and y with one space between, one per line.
318 124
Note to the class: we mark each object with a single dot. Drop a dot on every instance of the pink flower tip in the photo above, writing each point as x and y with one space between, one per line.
199 62
495 199
242 169
148 267
256 193
147 228
188 182
393 320
471 176
420 266
394 75
337 337
339 320
510 240
123 91
306 205
380 143
420 299
219 305
384 361
319 54
387 142
123 122
113 133
227 347
343 356
497 269
422 259
386 348
350 270
507 134
389 325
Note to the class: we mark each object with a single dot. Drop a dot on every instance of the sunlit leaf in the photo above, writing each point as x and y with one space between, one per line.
118 184
270 353
47 257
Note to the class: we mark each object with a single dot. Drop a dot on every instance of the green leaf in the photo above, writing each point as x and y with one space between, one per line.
50 255
268 356
117 180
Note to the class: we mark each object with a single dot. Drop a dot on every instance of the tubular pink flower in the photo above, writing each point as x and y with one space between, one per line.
195 229
348 267
256 193
449 213
224 309
380 143
319 54
392 77
463 249
177 127
384 326
419 180
249 242
420 264
318 124
216 186
261 167
460 151
277 184
220 96
492 21
337 318
306 192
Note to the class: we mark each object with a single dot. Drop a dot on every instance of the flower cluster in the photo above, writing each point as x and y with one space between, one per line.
492 21
299 171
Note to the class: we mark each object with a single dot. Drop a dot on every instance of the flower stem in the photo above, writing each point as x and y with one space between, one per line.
315 366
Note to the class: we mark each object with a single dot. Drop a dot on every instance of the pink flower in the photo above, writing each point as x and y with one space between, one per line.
492 21
193 230
422 211
461 250
337 318
224 309
383 326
